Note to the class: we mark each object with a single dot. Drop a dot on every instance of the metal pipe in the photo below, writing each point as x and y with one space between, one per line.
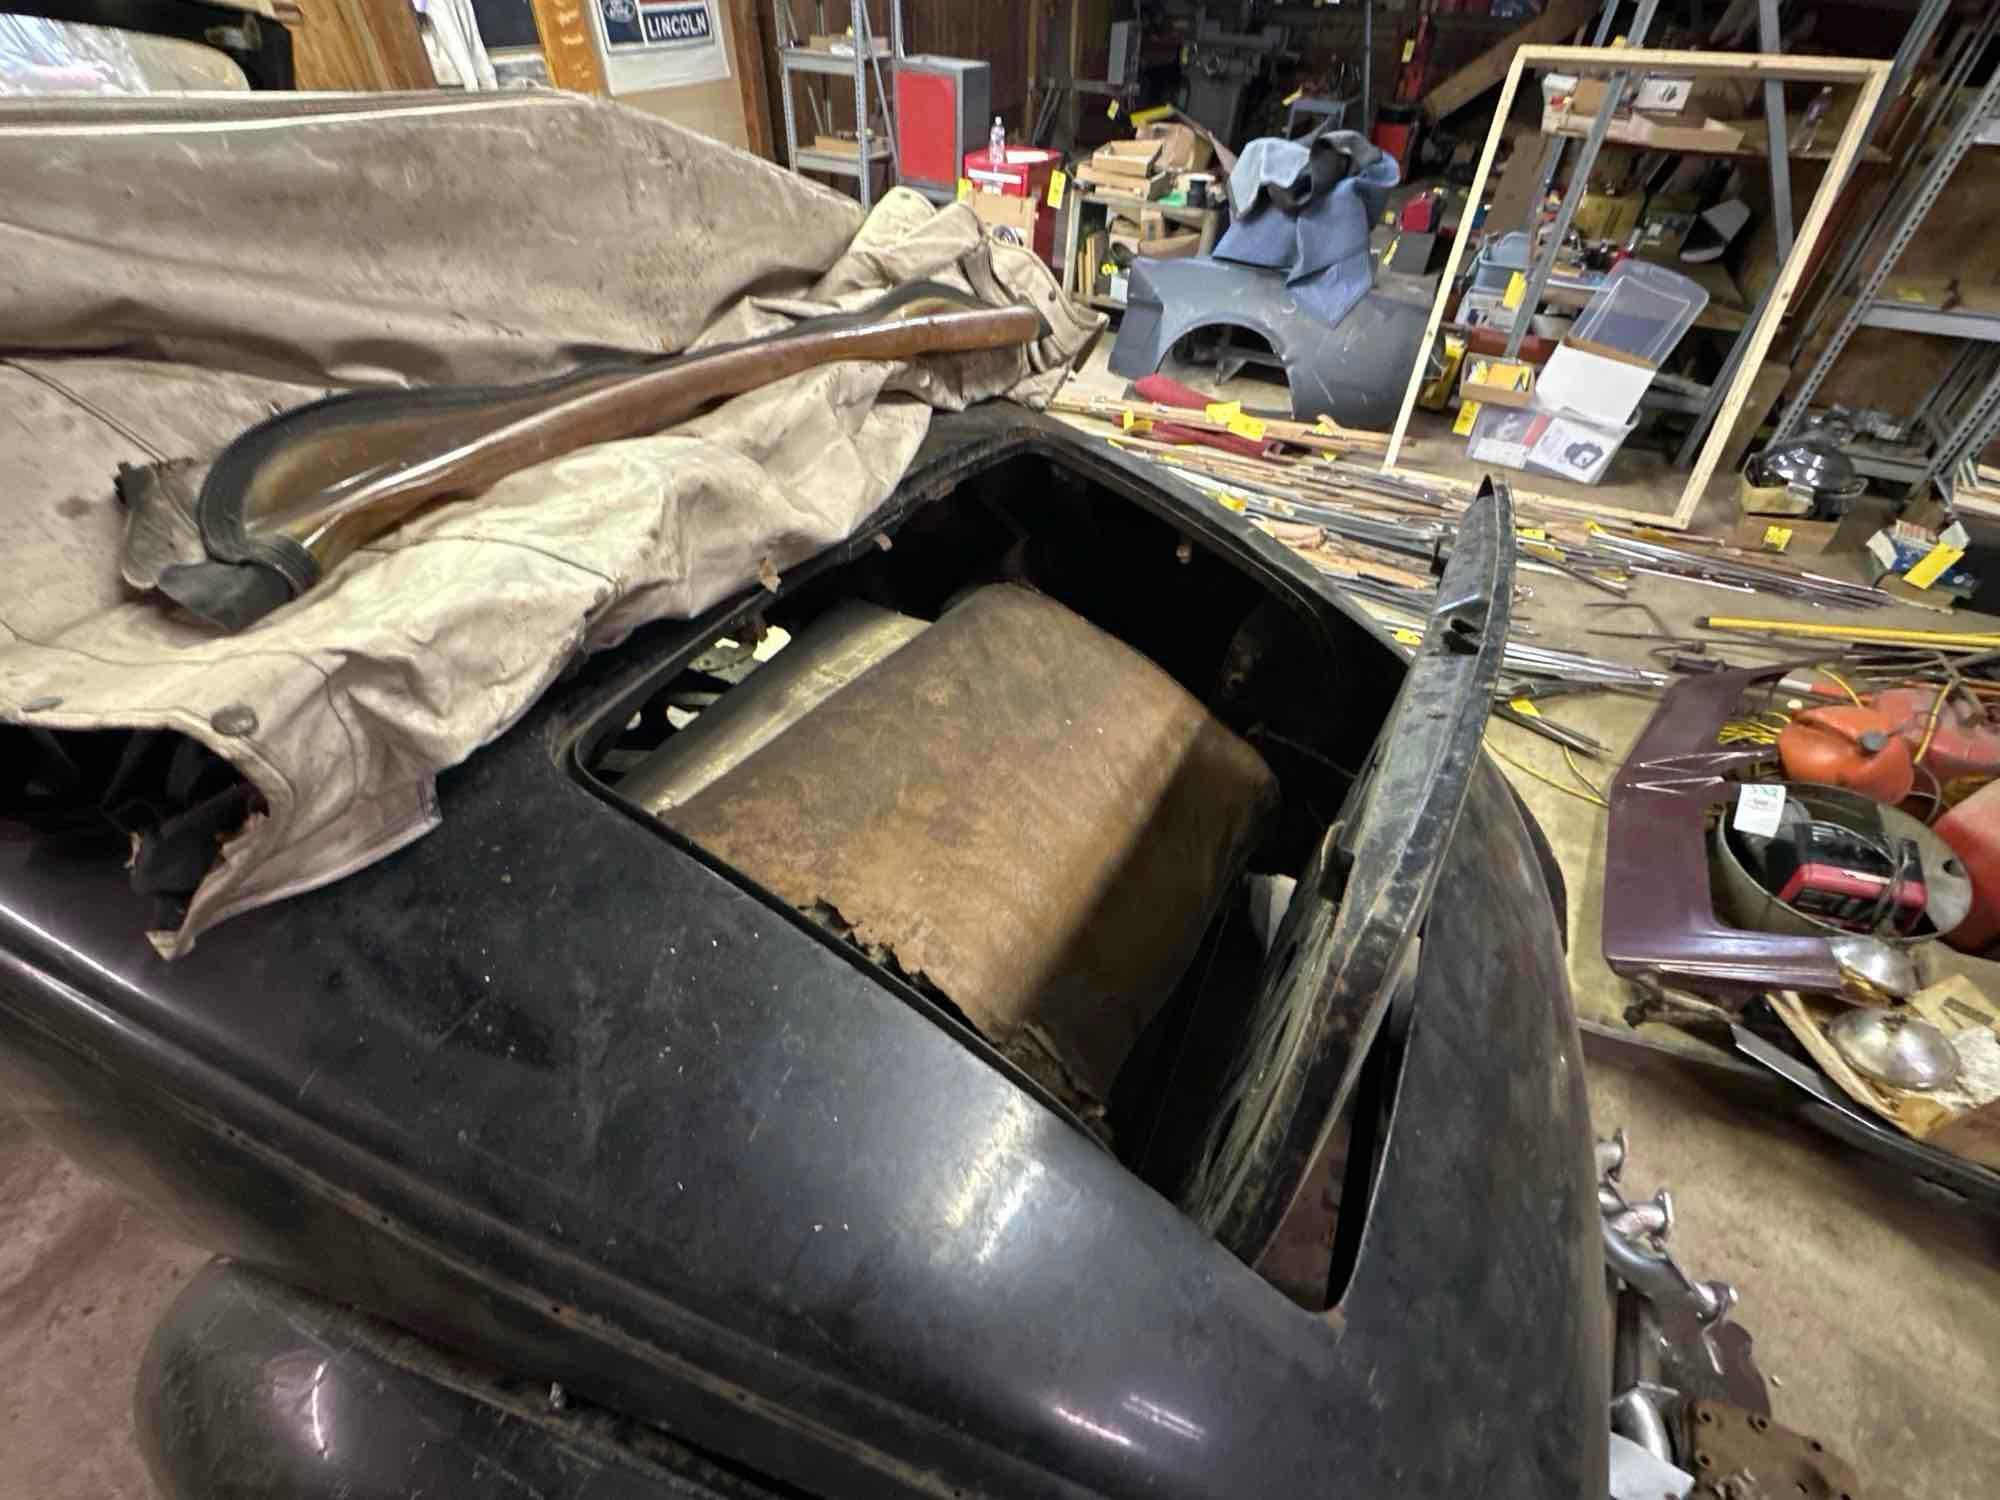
1634 1415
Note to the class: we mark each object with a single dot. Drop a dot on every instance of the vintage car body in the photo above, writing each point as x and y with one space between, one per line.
570 1104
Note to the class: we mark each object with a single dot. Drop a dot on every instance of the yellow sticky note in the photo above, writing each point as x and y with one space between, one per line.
1247 427
1517 288
1468 411
1777 538
1407 637
1111 110
1222 411
1058 181
1293 96
1523 707
1933 565
1409 49
965 190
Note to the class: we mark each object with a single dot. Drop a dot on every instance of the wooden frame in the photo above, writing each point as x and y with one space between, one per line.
1868 75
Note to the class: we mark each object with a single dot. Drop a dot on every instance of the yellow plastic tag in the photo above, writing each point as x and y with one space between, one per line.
1230 500
1327 425
1111 110
1524 708
1910 294
1058 180
1532 534
1543 549
1517 288
965 190
1109 268
1468 411
1933 565
1247 427
1293 96
1409 49
1134 424
1407 637
1593 528
1777 538
1222 411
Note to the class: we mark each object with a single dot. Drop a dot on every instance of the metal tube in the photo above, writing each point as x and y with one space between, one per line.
1634 1416
1579 181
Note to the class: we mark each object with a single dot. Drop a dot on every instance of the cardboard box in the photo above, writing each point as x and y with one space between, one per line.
1788 536
1132 187
1498 382
1600 384
1027 222
1181 149
1608 216
1656 132
1653 94
1161 247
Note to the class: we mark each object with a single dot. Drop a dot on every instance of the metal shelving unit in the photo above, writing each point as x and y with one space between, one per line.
875 142
1970 390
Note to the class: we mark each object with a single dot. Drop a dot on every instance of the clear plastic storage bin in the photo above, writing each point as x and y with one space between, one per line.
1641 310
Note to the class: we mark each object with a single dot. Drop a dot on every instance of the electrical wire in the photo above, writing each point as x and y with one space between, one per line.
1841 683
1527 770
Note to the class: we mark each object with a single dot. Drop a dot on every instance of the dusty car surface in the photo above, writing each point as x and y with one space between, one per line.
1097 1026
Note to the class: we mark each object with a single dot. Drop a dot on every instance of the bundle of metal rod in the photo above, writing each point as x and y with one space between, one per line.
1575 666
1738 574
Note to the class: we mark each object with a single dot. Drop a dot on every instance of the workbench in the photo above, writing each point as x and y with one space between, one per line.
1084 198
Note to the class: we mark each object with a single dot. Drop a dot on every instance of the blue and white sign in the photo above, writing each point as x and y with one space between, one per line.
656 44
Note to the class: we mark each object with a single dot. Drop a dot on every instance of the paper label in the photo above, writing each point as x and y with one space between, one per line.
1532 534
1932 566
1777 538
1222 411
1523 707
1247 427
1468 413
1882 549
964 190
1058 181
1759 806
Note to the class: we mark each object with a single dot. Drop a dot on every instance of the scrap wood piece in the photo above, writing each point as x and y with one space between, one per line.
1326 437
1558 21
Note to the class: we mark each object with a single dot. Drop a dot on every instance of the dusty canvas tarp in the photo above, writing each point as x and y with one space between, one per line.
175 271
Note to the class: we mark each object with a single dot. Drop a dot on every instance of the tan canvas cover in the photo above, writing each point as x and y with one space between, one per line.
174 270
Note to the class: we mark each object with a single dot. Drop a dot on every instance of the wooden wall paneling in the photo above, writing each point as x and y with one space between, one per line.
370 45
569 46
746 61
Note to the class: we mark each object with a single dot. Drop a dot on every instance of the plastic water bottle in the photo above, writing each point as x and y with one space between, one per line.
996 143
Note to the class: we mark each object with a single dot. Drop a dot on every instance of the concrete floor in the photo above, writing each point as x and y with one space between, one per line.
1875 1303
1876 1307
